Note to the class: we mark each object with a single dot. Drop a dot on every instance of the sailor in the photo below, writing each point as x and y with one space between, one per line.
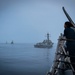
69 33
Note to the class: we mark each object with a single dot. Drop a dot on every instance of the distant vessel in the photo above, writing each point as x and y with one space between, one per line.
45 44
6 42
12 42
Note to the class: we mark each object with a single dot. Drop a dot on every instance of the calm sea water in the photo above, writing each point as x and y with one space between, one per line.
24 59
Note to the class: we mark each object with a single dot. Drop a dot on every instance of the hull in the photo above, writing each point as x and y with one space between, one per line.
43 46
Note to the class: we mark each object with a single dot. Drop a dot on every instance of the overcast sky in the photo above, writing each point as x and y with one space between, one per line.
28 21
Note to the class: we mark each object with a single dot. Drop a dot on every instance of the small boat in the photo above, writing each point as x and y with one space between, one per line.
6 42
45 44
12 42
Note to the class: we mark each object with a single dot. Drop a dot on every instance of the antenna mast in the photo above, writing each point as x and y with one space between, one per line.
68 17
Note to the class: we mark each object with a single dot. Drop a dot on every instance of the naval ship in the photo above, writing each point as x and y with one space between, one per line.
45 43
62 64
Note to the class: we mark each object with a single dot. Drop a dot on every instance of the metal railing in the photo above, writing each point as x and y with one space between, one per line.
61 58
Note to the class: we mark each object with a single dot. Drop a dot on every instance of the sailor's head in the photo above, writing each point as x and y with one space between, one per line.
68 24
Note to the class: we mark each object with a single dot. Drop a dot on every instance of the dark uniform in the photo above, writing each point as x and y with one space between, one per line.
69 33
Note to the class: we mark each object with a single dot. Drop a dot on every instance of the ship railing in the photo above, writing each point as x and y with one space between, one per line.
61 60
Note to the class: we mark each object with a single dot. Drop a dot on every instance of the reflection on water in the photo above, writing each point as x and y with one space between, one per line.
24 59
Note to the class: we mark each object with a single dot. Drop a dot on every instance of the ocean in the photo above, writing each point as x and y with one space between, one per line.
24 59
